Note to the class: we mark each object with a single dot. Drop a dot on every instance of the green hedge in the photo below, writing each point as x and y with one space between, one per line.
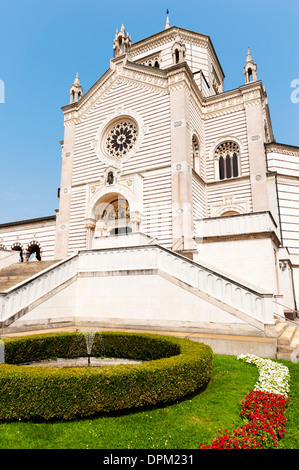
173 368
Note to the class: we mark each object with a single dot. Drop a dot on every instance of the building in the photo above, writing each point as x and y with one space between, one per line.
177 208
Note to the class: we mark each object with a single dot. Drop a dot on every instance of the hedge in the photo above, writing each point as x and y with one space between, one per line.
172 368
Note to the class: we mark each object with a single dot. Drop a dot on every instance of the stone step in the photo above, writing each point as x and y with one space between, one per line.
279 327
288 343
19 272
287 335
295 340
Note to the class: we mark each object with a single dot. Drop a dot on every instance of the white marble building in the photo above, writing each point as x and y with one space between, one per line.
159 162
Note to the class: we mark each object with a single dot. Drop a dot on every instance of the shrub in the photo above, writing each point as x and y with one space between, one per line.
173 368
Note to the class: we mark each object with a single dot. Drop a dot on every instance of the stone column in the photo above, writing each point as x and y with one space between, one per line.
63 216
136 219
90 226
257 156
181 161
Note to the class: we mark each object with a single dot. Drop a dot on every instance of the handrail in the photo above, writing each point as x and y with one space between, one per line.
25 293
257 304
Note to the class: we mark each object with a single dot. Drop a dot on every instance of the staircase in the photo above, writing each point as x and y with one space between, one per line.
19 272
288 340
24 287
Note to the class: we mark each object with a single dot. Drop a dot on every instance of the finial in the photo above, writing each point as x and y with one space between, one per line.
76 90
167 20
122 42
250 69
77 81
248 58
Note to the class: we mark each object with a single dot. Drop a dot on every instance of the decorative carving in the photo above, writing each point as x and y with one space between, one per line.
120 139
283 265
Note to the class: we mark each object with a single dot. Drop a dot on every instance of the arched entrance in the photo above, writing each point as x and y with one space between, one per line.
112 216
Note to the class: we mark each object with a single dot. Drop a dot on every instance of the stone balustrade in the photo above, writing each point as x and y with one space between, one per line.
258 305
236 224
20 296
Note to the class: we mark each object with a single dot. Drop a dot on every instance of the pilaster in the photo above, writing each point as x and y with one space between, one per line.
256 149
181 164
63 216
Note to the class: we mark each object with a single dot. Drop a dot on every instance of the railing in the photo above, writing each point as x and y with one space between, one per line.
19 297
237 224
257 305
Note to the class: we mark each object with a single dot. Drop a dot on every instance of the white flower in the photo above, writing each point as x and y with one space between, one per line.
273 377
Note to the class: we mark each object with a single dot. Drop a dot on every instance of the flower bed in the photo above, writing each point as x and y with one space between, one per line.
262 410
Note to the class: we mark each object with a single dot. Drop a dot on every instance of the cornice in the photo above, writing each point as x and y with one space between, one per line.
245 236
121 70
168 35
164 81
43 220
230 180
233 100
274 147
288 179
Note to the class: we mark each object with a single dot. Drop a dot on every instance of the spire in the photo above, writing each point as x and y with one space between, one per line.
248 58
122 42
76 90
167 20
250 69
77 80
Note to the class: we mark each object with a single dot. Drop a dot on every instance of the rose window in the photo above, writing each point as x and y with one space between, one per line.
120 139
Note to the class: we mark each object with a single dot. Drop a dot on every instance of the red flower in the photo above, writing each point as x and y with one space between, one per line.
264 415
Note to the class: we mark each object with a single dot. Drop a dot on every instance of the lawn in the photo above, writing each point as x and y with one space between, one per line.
181 425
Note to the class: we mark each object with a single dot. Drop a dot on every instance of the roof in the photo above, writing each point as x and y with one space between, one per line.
29 221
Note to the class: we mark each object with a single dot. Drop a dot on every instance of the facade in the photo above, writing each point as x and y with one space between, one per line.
156 149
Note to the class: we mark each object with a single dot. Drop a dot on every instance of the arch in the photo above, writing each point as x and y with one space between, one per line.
105 192
226 154
18 247
33 249
229 212
109 213
178 50
112 216
232 209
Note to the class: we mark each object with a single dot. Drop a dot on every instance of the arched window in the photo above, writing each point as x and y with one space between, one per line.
227 213
228 154
18 247
195 154
33 251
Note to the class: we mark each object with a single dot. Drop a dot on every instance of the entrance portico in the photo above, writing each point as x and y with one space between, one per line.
112 211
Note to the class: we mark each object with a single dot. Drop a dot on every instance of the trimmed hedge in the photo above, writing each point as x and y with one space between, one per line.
173 368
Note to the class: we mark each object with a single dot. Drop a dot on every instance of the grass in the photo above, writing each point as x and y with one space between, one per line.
182 425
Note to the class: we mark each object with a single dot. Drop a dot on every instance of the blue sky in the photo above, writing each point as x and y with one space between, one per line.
45 42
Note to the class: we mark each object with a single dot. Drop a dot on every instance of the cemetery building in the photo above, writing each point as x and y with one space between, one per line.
178 210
